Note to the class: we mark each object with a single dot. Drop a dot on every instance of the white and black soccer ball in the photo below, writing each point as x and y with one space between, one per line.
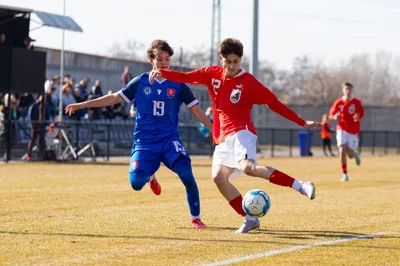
256 203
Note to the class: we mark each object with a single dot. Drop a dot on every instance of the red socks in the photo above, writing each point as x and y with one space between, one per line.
282 179
236 204
277 178
344 168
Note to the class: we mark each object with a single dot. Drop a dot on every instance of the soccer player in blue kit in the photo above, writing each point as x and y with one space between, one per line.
156 137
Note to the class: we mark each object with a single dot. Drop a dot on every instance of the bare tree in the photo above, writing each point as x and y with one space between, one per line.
131 50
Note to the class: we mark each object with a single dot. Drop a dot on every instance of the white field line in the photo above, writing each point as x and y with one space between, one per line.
294 248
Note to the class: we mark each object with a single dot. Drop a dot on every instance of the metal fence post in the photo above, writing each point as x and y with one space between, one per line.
108 141
386 142
398 143
273 141
373 143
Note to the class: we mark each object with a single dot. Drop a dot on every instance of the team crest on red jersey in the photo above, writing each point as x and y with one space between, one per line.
170 92
352 109
236 93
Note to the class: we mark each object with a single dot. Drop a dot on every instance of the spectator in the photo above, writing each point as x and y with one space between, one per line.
67 79
28 43
6 129
96 92
2 39
83 89
24 101
37 129
326 135
119 110
78 98
67 97
126 76
111 112
53 82
51 105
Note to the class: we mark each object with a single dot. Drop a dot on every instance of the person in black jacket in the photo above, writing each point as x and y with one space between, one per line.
37 129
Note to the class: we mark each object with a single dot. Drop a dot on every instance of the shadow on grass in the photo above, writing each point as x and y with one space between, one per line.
206 239
286 234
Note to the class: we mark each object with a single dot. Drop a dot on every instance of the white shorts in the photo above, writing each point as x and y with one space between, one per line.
342 137
234 148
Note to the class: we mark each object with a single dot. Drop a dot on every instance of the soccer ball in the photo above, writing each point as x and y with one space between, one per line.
256 203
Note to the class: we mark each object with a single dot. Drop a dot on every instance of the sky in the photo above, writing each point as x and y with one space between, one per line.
327 30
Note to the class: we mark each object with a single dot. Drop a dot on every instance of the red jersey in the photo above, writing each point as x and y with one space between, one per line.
347 109
232 98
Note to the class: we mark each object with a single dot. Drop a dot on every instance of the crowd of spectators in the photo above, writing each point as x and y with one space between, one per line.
72 92
46 107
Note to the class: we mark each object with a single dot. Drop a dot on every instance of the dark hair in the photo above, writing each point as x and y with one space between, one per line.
348 84
159 44
230 46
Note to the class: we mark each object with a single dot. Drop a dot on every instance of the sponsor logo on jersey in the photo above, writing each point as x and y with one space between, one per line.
147 90
170 92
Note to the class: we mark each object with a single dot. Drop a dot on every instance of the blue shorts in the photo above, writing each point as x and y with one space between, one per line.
148 157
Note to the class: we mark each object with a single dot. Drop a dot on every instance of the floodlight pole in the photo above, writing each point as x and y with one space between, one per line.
60 105
254 55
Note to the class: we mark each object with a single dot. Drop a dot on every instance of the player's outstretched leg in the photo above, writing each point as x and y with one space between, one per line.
279 178
154 185
183 168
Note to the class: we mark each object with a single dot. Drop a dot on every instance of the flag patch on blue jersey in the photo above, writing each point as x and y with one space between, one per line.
170 92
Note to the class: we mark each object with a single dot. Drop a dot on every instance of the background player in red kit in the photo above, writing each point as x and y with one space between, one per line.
349 111
233 93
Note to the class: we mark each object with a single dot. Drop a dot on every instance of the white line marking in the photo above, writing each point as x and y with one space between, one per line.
294 248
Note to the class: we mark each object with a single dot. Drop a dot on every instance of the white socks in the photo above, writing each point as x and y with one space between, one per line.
297 185
249 218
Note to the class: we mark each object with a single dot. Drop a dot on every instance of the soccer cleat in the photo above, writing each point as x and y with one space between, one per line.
345 178
248 226
155 186
197 223
308 189
357 157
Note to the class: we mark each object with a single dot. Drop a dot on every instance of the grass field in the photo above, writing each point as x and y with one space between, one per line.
74 214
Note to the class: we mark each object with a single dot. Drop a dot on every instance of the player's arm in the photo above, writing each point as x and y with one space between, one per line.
264 96
106 100
334 111
201 116
198 76
127 94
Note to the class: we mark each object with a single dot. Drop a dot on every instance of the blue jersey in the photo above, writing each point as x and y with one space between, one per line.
157 107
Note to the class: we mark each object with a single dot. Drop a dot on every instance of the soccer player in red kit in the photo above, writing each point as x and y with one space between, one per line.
233 93
349 111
